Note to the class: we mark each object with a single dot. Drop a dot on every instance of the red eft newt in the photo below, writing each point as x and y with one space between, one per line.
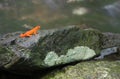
30 32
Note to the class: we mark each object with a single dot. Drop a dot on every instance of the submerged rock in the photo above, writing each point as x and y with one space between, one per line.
49 48
88 70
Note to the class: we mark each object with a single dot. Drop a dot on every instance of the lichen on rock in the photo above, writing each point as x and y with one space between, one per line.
51 58
78 53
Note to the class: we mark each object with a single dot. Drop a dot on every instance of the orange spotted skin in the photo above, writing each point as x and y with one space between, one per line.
30 32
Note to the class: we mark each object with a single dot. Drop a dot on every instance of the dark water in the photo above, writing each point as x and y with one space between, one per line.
20 15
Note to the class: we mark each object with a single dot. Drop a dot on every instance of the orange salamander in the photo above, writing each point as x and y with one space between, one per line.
30 32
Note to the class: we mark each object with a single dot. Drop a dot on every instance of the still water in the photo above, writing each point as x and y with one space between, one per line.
21 15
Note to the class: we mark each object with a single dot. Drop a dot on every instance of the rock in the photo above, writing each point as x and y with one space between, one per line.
5 56
8 39
88 70
50 48
111 40
106 52
80 11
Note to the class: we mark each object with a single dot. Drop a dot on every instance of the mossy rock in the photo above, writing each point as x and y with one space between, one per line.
88 70
65 46
51 48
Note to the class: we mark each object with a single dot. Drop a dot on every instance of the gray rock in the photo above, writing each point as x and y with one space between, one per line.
50 48
106 52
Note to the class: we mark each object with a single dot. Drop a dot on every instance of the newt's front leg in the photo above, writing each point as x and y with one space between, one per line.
35 33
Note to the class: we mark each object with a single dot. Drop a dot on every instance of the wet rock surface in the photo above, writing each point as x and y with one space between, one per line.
111 40
51 48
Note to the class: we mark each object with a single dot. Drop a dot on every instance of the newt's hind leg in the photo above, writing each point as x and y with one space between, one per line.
28 35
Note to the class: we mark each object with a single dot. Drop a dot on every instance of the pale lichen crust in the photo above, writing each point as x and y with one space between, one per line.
75 54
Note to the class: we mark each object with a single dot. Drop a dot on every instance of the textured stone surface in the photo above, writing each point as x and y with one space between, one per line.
49 48
107 51
88 70
111 40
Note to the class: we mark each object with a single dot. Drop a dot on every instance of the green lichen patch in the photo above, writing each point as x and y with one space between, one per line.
51 58
78 53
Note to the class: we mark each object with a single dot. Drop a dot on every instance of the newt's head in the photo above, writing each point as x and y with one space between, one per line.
37 27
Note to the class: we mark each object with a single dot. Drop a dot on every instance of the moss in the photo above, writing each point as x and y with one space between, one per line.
6 55
88 70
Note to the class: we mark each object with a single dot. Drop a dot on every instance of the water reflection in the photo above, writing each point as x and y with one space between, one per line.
55 4
113 9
